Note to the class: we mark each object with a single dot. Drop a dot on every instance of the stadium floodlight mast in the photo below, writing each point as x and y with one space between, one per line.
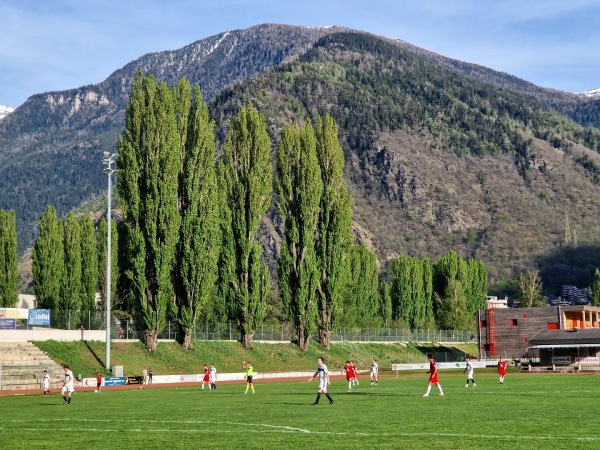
108 161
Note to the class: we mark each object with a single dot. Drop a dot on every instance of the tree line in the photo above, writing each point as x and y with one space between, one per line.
188 242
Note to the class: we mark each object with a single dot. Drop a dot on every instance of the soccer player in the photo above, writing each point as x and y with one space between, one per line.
433 376
68 388
206 378
145 375
355 379
323 375
502 369
150 375
350 374
98 382
469 372
374 371
249 374
213 376
46 383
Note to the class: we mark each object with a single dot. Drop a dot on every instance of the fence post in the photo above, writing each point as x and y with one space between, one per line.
229 330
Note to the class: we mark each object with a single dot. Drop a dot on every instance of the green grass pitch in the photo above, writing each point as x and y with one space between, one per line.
527 411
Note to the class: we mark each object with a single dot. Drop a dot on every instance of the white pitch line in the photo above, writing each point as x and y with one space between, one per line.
283 429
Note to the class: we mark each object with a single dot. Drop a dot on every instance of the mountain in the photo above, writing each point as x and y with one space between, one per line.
51 146
441 154
5 111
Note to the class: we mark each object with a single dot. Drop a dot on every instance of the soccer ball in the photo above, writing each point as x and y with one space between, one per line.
96 391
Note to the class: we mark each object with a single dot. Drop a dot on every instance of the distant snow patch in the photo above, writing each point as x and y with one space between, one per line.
594 93
214 47
5 111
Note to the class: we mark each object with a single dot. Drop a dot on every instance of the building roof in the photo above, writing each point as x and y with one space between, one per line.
589 337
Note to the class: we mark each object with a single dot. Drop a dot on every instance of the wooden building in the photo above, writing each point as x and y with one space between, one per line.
507 332
566 347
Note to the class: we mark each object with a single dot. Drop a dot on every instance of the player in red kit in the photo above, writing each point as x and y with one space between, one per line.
502 369
206 378
433 376
355 379
350 370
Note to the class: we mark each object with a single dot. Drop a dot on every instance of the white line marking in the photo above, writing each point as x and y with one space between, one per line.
278 429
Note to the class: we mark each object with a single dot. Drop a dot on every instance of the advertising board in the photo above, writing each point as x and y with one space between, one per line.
39 317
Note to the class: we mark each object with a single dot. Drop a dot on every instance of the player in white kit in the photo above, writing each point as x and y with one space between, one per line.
469 371
46 383
374 371
323 375
68 387
213 376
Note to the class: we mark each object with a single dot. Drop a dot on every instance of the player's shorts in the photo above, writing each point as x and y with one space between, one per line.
323 385
249 379
98 385
373 374
433 378
206 379
68 389
46 385
502 372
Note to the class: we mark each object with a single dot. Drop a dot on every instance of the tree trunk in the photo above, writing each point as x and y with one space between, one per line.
247 339
186 342
324 337
151 340
302 339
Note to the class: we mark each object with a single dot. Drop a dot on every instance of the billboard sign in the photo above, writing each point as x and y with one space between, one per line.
40 317
8 324
114 381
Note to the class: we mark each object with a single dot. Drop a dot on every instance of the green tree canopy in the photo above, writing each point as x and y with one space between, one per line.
246 178
149 166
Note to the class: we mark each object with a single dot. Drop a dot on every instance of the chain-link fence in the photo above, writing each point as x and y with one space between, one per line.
124 326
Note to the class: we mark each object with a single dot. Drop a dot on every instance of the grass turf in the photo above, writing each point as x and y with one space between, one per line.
527 411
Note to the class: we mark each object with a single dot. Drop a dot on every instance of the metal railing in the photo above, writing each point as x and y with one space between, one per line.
133 328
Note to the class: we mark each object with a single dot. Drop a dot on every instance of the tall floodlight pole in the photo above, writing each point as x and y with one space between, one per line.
109 160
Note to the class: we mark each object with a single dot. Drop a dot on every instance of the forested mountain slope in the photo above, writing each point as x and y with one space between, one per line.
51 146
437 160
440 154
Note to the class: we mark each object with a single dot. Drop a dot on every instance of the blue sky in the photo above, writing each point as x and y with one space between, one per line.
61 44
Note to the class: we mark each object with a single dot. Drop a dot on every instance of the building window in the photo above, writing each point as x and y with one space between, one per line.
514 322
552 326
483 324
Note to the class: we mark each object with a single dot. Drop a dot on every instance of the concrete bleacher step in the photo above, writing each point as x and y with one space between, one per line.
23 365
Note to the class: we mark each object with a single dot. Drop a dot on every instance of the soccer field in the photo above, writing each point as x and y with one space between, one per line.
527 411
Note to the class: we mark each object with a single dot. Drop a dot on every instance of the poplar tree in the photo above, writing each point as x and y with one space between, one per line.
419 308
9 266
595 288
101 241
71 286
385 302
89 263
148 164
298 188
246 180
199 241
362 292
428 309
335 228
48 260
478 286
449 269
401 291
